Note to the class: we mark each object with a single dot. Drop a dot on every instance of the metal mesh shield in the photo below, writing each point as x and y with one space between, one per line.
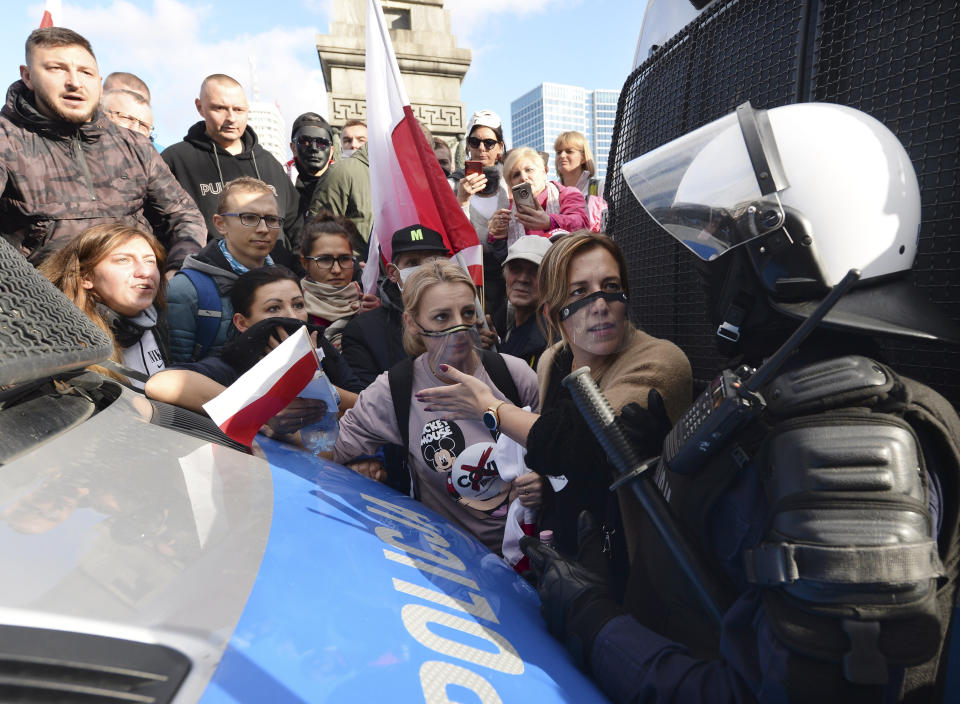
41 331
891 60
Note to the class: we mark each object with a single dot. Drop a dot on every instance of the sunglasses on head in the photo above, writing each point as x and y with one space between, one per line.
475 142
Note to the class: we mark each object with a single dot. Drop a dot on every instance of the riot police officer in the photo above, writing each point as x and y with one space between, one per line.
829 518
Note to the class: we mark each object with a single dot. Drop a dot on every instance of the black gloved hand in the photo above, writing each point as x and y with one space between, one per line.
248 348
574 601
646 427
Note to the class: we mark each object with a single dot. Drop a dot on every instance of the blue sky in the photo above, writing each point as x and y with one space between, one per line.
516 45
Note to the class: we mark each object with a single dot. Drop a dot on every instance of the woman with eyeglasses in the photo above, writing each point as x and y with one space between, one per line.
330 290
450 462
483 194
199 295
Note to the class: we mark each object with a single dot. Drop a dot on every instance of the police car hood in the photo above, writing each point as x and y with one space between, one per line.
280 579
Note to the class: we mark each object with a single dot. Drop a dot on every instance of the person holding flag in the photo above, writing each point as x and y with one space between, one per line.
407 184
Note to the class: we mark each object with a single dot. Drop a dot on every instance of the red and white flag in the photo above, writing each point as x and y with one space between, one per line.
408 186
51 14
273 382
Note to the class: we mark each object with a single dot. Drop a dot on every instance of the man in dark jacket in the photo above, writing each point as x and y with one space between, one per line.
373 341
221 148
346 191
65 167
519 321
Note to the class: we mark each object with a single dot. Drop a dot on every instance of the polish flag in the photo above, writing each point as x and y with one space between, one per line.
51 14
273 382
408 186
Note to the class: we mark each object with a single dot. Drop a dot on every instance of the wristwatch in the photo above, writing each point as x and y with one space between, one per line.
491 416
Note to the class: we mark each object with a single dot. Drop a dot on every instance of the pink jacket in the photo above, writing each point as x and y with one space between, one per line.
573 211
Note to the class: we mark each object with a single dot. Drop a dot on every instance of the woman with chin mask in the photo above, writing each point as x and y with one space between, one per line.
112 273
331 294
449 462
482 194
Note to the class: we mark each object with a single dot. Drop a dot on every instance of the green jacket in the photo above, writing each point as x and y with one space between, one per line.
346 191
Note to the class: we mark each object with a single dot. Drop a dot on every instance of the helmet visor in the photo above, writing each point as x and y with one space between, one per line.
702 189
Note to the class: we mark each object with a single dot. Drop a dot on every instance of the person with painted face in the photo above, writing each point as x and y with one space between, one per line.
373 342
583 294
450 460
112 273
311 141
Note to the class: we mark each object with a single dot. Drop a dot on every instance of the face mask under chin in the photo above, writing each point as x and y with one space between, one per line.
456 346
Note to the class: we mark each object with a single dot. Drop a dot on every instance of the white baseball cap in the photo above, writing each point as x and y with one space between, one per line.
529 247
484 118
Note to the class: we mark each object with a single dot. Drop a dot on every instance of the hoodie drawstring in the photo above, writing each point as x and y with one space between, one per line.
216 159
254 155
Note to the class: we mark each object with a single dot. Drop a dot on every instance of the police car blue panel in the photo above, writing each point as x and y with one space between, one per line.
364 593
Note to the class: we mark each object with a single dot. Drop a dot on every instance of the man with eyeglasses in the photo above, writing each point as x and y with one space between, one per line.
129 110
221 148
199 311
311 141
64 166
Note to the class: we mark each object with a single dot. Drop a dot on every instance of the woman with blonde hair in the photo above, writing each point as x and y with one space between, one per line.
583 294
577 169
450 464
112 273
574 161
559 207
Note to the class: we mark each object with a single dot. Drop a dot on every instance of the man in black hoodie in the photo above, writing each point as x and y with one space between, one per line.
221 148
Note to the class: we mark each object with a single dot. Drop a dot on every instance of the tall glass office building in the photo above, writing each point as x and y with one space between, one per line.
537 118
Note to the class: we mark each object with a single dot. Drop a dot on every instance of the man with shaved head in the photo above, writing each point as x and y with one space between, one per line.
65 167
128 109
221 148
121 80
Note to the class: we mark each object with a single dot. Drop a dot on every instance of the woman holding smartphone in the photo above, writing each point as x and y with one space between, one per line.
481 193
541 206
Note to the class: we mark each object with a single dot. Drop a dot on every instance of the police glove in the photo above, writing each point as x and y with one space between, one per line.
646 428
574 600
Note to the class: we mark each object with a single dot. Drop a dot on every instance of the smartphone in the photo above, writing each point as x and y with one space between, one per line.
523 195
473 167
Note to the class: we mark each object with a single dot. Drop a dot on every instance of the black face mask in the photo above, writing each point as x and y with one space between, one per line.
493 180
312 145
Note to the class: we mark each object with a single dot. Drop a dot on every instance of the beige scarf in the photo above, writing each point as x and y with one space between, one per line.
338 305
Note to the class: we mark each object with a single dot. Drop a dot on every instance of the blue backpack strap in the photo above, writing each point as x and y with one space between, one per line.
209 311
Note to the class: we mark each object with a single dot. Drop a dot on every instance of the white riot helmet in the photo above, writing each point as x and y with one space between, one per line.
808 191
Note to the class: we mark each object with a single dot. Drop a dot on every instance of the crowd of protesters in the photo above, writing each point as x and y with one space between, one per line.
171 251
198 260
